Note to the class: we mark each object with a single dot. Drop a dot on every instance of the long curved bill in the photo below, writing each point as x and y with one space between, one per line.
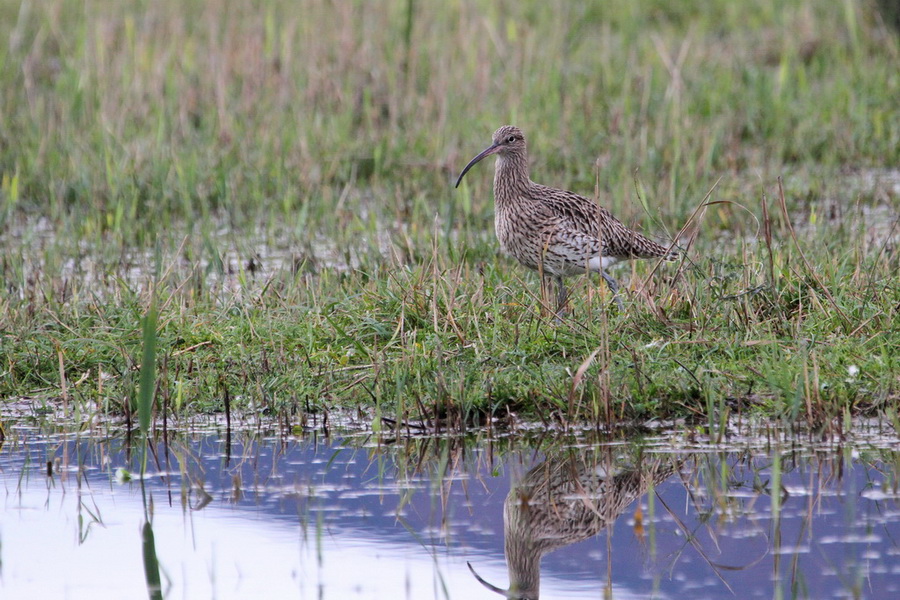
492 149
489 586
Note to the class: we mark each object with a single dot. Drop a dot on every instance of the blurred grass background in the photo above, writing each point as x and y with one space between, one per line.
282 170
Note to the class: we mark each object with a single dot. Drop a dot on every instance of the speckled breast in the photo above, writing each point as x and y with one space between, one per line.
516 239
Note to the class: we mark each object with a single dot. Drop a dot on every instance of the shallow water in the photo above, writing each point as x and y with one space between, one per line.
360 516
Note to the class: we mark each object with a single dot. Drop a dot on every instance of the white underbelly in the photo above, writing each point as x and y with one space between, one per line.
600 263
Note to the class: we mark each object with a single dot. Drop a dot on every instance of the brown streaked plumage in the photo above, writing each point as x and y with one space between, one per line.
556 232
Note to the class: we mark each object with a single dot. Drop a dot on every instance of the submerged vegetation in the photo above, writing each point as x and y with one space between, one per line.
276 181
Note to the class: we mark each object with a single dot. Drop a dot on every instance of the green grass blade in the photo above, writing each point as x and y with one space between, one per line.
148 370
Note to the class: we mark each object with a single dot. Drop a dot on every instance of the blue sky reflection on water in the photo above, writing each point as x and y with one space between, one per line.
349 518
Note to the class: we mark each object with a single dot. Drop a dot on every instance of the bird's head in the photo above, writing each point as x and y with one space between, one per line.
506 141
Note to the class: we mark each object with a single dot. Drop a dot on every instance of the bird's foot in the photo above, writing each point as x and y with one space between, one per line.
614 288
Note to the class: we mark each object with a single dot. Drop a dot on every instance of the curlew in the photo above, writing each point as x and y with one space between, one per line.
556 232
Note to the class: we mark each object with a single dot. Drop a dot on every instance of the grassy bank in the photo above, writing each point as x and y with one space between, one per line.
278 177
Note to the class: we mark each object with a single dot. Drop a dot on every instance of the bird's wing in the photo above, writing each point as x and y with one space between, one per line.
579 213
578 249
583 215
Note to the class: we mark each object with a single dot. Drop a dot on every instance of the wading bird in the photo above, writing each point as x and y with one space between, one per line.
553 231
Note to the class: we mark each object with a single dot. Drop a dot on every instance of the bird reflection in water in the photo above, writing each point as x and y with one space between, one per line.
568 498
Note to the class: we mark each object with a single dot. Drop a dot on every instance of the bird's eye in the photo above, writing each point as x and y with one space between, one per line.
511 139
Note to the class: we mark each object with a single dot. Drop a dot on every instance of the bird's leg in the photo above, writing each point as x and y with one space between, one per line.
614 288
561 296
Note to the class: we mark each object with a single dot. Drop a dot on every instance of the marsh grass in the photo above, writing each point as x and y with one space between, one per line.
286 174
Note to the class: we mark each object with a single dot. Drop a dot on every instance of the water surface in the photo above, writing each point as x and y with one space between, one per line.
358 515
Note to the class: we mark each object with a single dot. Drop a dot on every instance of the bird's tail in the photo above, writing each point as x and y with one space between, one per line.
668 252
672 254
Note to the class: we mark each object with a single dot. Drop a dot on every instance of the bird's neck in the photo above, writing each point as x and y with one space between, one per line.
510 177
